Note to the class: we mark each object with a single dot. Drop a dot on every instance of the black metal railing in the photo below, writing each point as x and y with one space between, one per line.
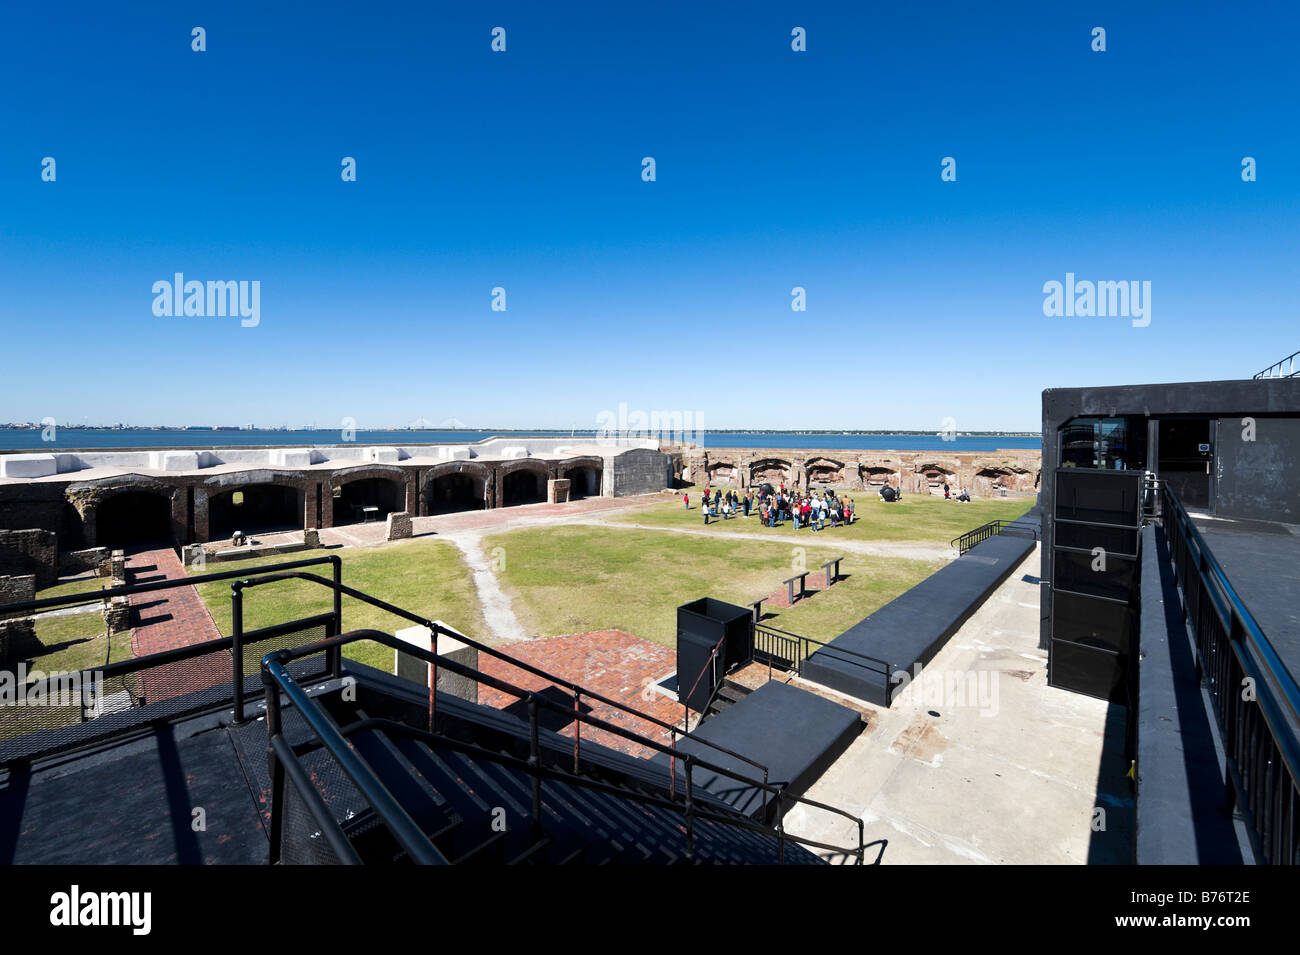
1288 367
408 834
792 650
170 683
1255 698
992 529
577 691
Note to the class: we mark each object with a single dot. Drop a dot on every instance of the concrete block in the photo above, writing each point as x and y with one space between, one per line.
417 670
174 460
383 455
513 451
28 465
291 457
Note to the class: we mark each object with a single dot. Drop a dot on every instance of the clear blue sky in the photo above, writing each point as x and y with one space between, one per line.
522 170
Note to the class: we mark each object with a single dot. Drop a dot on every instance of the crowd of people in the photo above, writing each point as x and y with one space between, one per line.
777 506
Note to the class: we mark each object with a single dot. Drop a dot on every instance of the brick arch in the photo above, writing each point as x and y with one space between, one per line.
431 502
823 470
88 497
363 472
724 471
513 489
218 485
586 462
765 469
876 475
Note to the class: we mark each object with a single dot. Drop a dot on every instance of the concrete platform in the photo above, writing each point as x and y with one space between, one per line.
910 629
1027 775
792 732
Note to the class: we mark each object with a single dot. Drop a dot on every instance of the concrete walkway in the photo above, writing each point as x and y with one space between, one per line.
978 760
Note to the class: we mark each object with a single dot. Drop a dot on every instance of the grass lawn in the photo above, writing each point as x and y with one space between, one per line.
917 517
84 583
426 577
77 642
576 579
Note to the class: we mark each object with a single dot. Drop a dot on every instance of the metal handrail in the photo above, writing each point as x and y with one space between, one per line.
280 657
1289 362
1250 767
851 656
985 531
889 667
404 829
572 687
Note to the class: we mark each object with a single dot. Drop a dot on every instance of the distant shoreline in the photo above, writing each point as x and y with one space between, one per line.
71 440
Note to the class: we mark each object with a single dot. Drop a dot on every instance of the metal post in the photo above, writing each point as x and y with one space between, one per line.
237 647
672 768
690 812
577 727
535 763
276 833
433 676
780 831
335 660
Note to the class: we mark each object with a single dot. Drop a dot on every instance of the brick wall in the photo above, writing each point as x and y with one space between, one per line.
30 552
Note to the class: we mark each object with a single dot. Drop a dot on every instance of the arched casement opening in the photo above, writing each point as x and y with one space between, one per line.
523 486
133 519
722 472
584 481
254 509
823 472
367 499
874 478
932 478
771 471
457 491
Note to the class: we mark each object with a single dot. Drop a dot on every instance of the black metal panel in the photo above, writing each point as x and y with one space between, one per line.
1259 478
1093 622
1099 497
1098 575
1094 592
1099 673
1114 540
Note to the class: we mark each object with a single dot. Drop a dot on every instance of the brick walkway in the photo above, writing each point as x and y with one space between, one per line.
613 663
166 620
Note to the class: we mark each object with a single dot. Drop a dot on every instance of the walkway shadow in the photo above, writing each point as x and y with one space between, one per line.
547 717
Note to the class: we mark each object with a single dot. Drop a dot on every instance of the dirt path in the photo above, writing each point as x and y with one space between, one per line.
498 611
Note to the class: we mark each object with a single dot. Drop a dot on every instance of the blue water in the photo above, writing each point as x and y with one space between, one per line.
67 439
